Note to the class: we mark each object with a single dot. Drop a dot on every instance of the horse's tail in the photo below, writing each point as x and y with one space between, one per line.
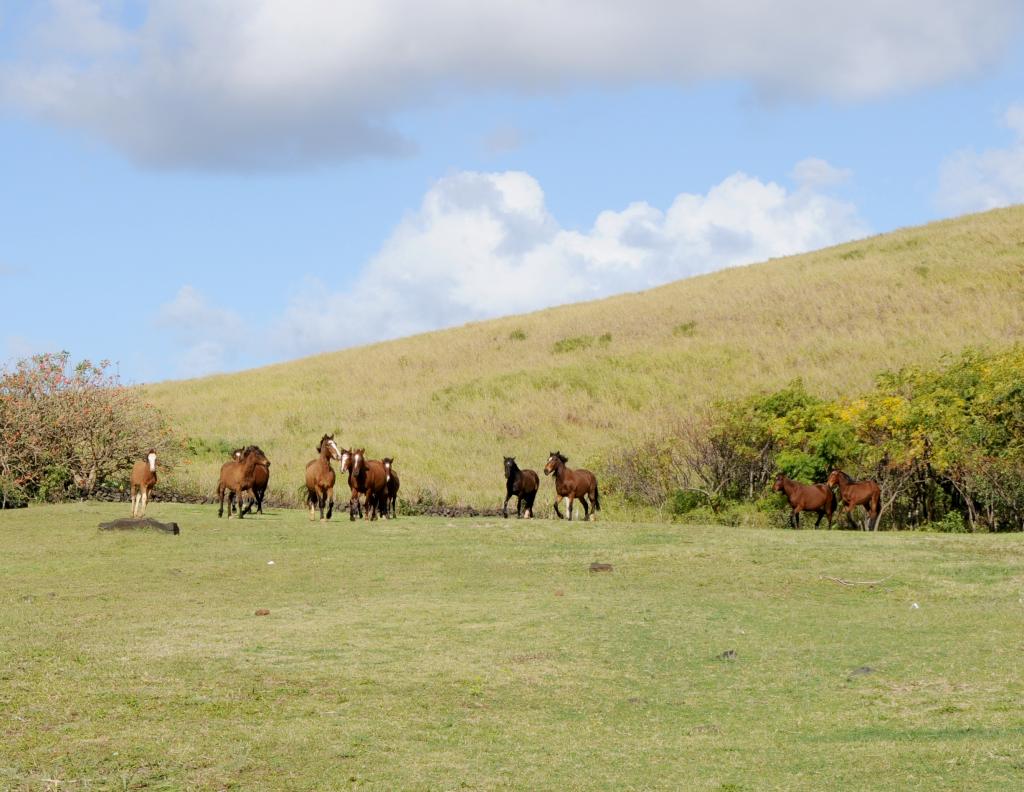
597 498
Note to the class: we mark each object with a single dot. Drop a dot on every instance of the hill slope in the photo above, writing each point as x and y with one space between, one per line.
586 378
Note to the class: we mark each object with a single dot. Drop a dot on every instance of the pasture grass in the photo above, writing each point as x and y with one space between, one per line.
590 378
428 654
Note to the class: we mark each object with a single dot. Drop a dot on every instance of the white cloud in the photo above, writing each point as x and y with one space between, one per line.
210 337
813 173
240 83
971 181
484 244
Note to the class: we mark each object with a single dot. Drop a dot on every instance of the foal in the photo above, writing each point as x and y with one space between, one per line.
143 480
857 493
572 484
521 483
816 498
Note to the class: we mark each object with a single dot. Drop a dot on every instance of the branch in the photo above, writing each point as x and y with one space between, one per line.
843 582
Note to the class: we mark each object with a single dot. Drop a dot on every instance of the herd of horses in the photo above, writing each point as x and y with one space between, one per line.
373 486
821 500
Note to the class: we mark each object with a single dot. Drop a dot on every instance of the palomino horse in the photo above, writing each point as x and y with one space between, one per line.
521 483
391 500
142 482
320 478
857 493
369 478
806 497
237 476
572 484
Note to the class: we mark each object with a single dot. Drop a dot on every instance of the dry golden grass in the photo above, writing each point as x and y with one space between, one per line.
585 378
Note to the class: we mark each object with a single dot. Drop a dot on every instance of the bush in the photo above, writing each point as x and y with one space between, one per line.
70 429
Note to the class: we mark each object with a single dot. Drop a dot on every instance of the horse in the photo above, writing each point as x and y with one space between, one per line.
865 493
320 478
142 481
521 483
391 498
260 480
369 478
806 497
236 477
572 484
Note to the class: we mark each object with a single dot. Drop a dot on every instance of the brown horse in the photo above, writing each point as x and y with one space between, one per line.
320 478
521 483
236 477
143 480
260 481
572 484
806 497
391 500
261 476
857 493
367 477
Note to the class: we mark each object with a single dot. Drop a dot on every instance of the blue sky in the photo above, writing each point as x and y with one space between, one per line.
189 187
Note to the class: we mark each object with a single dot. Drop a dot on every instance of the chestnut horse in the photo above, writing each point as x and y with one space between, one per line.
806 497
857 493
236 477
521 483
320 478
260 479
391 499
143 480
369 478
572 484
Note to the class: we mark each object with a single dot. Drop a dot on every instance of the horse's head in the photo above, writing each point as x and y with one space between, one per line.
255 454
777 486
555 460
151 459
237 454
834 477
346 459
388 462
358 460
333 450
510 465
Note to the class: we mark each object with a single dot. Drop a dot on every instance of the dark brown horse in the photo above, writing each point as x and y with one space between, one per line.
523 484
236 477
367 478
391 501
572 484
857 493
320 478
260 480
806 497
143 479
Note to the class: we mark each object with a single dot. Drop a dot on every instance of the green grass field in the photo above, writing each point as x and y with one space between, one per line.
588 379
424 654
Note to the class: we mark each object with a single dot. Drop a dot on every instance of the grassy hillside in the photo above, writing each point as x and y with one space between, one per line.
425 654
585 378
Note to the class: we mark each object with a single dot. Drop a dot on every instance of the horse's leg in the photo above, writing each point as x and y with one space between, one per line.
353 498
557 512
570 501
504 507
586 508
818 521
330 502
311 500
142 512
796 517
